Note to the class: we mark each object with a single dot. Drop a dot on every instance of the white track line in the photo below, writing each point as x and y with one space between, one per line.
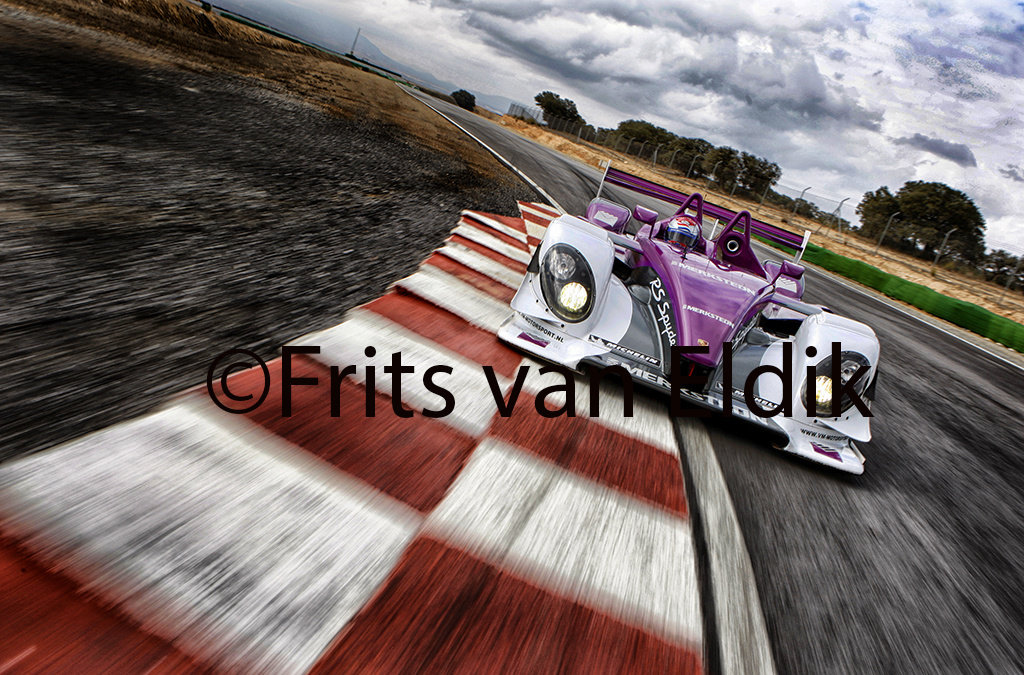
529 181
742 635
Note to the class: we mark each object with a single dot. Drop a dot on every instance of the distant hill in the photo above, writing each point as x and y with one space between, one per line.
312 25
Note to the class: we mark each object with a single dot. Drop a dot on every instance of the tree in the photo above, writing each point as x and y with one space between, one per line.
933 209
554 105
928 210
999 265
874 211
758 174
723 164
690 149
645 132
464 99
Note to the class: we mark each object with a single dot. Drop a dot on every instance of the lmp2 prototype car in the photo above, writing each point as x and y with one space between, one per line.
703 319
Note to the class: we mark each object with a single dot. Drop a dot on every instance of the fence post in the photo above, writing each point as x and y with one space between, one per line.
799 199
886 229
654 160
1013 277
938 253
692 162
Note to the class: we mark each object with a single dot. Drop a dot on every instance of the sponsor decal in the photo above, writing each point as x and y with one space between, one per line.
710 315
533 340
543 329
640 356
737 394
832 454
823 436
663 310
711 275
639 372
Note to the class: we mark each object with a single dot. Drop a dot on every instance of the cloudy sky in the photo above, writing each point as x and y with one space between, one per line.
844 96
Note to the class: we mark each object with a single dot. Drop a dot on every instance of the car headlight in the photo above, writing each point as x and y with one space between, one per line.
849 364
567 283
823 391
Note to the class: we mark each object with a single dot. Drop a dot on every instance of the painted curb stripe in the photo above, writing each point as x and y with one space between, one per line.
539 209
516 266
44 613
575 538
478 280
482 264
344 344
444 610
448 330
496 224
493 242
456 296
596 452
413 460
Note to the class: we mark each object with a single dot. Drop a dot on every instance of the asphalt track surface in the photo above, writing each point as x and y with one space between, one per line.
916 566
152 217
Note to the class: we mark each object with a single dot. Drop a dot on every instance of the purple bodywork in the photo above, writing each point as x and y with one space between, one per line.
713 291
711 301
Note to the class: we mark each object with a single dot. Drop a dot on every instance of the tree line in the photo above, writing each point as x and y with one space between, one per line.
929 220
741 173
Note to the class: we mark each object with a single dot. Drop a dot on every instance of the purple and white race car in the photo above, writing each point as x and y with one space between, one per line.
701 318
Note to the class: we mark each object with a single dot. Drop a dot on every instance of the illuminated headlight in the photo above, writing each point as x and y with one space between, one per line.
573 297
823 391
850 363
567 283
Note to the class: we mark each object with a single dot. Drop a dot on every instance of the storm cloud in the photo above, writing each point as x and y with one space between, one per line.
954 152
845 95
1013 172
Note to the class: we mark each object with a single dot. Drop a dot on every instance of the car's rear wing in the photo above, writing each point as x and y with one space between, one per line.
771 233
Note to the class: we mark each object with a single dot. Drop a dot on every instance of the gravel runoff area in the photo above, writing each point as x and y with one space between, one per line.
152 217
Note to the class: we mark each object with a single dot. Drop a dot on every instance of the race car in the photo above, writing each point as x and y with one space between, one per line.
701 318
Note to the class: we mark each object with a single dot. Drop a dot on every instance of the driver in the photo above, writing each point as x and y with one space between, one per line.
683 231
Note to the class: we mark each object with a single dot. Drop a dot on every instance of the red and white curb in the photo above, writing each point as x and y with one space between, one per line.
194 538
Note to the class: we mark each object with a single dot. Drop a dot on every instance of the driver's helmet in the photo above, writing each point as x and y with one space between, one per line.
683 230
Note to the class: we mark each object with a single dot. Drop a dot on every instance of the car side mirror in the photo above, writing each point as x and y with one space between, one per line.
791 269
645 215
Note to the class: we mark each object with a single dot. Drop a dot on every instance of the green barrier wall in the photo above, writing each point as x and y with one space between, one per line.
965 314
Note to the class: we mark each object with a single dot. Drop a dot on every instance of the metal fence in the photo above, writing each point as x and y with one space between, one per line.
690 165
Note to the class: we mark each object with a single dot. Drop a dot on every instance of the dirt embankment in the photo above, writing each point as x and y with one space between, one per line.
161 202
987 295
180 33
